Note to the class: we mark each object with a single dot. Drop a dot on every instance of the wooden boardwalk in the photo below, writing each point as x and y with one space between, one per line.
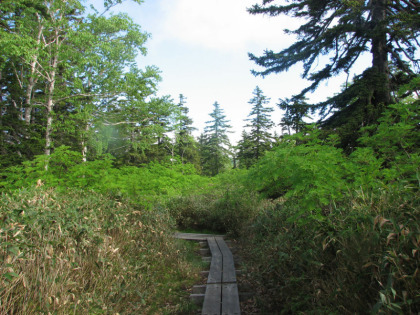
221 294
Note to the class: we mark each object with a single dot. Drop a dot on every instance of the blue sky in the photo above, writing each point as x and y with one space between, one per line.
201 48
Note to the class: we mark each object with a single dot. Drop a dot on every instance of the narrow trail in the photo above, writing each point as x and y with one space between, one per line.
220 294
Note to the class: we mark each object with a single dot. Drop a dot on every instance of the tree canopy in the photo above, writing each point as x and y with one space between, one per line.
69 77
343 31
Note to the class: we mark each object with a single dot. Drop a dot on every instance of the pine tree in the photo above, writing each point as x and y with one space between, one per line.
344 30
186 146
215 146
245 151
260 124
294 112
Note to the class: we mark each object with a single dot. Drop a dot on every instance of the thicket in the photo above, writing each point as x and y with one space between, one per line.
79 252
324 231
224 206
144 185
87 237
343 233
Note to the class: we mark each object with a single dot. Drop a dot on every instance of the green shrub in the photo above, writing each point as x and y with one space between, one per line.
224 205
344 236
145 185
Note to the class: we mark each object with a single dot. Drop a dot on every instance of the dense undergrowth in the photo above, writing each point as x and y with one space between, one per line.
142 185
322 231
78 252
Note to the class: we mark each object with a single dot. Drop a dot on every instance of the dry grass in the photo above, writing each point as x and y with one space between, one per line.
81 253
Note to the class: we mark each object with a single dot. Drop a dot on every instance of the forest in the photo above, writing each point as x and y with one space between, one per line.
97 170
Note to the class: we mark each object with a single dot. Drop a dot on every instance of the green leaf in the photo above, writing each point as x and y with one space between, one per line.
10 275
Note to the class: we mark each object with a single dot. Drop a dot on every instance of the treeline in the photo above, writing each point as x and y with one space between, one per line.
68 77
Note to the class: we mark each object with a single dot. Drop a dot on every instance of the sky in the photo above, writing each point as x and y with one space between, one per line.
201 48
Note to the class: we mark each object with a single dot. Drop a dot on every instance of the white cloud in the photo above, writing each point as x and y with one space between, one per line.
223 25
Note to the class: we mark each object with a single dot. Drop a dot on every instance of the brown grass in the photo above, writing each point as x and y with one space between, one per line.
81 253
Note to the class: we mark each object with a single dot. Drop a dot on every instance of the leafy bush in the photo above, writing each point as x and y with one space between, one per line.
311 174
344 236
224 206
145 185
153 182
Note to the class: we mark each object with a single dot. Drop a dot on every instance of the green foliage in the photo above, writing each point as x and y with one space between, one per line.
72 79
344 234
364 256
302 173
223 205
395 141
245 151
294 112
144 185
258 140
332 36
153 182
62 169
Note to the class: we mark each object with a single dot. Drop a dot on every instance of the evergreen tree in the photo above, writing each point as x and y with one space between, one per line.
260 123
185 145
245 151
294 112
202 148
215 144
344 30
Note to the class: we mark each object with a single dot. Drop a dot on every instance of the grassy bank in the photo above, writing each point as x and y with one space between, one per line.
79 252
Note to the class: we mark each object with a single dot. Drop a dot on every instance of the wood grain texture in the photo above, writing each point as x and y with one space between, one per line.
212 300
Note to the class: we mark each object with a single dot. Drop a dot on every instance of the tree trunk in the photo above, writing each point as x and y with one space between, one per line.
32 79
50 103
382 93
84 143
28 94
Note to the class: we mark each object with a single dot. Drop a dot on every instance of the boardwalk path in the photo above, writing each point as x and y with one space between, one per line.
221 292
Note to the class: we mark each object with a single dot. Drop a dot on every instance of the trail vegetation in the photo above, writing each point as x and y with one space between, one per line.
97 171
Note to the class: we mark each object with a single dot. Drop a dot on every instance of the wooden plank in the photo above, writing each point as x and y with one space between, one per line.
229 274
199 289
212 300
216 264
194 236
230 299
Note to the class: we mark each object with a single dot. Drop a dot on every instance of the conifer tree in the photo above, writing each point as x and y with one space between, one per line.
215 147
245 153
294 112
186 146
344 30
260 123
202 149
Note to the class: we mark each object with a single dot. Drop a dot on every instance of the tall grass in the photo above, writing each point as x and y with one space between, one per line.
79 252
363 258
225 206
